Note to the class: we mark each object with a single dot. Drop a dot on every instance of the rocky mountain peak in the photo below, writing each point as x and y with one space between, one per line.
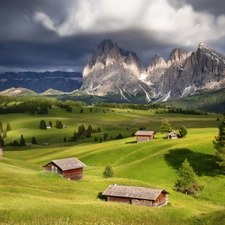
176 56
114 56
104 47
156 68
157 61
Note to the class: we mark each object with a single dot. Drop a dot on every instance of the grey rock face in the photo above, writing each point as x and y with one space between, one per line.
112 70
188 73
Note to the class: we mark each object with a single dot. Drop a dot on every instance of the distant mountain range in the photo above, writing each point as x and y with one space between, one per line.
118 75
41 82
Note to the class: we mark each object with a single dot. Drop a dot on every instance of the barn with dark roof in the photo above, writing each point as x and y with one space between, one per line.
70 168
136 195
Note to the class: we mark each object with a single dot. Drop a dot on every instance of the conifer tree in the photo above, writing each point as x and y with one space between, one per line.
108 172
2 143
8 127
219 145
22 141
183 131
42 125
34 141
4 135
187 181
165 126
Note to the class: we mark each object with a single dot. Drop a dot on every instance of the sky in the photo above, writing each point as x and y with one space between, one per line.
50 35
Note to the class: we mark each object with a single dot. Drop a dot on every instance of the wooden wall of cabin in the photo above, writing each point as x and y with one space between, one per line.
75 174
162 198
118 199
53 168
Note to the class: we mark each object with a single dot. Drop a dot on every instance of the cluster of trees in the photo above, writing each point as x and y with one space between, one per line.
186 111
130 106
34 105
22 141
3 133
24 105
84 132
167 128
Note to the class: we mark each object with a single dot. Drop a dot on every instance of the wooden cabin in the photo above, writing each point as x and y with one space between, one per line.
144 135
70 168
136 195
172 135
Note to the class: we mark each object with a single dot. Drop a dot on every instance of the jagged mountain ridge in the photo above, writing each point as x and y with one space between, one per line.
112 70
40 82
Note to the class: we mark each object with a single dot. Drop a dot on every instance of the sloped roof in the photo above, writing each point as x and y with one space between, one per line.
133 192
68 164
144 132
173 133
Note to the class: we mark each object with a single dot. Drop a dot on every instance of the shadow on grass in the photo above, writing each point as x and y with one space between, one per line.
102 197
131 142
203 164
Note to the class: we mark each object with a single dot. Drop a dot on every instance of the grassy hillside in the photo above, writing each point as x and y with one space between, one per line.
30 195
210 101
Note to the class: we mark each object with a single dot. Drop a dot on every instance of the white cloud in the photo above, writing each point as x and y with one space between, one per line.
45 20
180 26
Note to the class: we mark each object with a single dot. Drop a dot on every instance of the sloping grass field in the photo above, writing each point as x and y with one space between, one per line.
31 195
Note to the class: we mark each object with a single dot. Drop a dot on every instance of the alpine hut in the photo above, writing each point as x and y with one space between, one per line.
136 195
70 168
144 135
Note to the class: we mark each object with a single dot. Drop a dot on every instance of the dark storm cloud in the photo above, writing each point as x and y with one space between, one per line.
61 35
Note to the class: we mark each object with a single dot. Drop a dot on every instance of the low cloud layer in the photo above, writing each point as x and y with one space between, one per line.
63 34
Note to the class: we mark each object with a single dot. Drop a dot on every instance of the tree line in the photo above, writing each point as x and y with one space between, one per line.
33 105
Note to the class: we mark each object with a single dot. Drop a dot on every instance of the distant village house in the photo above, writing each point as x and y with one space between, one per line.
70 168
144 135
172 135
136 195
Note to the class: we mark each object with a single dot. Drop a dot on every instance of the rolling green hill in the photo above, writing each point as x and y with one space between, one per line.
30 195
209 101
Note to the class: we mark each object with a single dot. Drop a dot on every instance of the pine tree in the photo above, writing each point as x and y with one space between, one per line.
4 135
219 145
42 125
34 141
22 141
89 129
2 143
59 124
187 181
8 127
165 127
108 172
183 131
105 136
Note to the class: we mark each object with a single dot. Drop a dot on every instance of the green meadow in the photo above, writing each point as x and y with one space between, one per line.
31 195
